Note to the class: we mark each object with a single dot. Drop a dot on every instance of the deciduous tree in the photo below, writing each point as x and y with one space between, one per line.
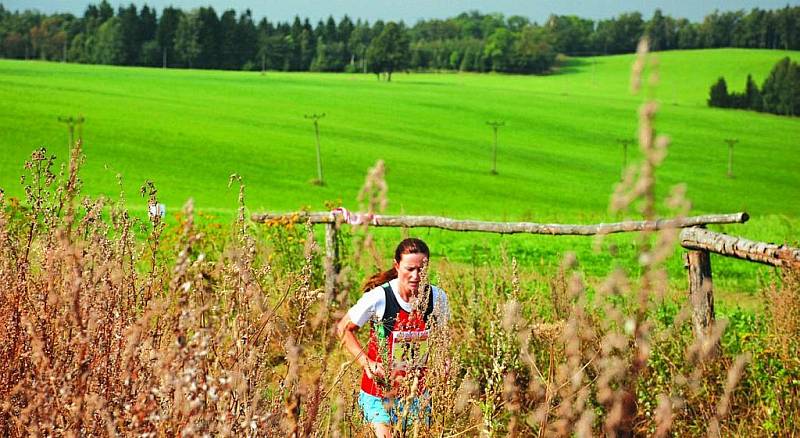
109 48
187 42
389 52
498 49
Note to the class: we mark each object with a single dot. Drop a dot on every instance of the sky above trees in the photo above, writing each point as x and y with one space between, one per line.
412 10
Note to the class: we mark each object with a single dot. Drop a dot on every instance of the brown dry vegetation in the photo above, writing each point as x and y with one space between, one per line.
115 326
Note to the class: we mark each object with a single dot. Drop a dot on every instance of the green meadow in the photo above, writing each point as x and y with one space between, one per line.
558 156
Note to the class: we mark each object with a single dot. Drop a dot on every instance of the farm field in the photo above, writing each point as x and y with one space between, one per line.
558 158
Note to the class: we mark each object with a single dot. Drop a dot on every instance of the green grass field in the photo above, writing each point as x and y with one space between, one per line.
558 157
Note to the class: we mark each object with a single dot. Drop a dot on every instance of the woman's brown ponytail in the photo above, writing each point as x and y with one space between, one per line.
379 279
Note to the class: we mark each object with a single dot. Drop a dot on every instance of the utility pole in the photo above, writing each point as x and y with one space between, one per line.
263 63
625 142
495 124
315 118
71 123
731 142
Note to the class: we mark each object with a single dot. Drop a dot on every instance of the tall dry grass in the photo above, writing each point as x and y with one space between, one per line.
113 325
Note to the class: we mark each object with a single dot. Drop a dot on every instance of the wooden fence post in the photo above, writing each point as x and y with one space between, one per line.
701 292
331 261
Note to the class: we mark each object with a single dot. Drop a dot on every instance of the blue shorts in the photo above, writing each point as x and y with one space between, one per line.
384 410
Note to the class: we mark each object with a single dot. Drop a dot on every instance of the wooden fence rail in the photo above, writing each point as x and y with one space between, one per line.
502 227
740 248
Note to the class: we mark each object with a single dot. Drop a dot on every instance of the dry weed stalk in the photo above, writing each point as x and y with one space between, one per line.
626 346
105 335
783 304
372 200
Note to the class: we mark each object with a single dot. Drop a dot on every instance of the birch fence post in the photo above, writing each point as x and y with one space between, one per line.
701 292
331 260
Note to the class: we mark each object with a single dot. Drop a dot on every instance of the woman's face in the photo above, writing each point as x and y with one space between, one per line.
409 271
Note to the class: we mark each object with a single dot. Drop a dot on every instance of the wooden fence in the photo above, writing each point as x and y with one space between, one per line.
694 237
700 242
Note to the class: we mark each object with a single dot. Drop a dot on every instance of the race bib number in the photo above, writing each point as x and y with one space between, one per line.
409 349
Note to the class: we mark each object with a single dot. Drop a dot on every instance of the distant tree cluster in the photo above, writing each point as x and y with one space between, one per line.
201 38
780 93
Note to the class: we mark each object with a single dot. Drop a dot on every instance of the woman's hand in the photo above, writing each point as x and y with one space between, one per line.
345 330
374 370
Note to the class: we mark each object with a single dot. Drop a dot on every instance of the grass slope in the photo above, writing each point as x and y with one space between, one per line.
558 157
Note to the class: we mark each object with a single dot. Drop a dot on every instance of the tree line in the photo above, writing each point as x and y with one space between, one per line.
471 41
779 94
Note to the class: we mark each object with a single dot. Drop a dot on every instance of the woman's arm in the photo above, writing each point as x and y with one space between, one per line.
345 330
